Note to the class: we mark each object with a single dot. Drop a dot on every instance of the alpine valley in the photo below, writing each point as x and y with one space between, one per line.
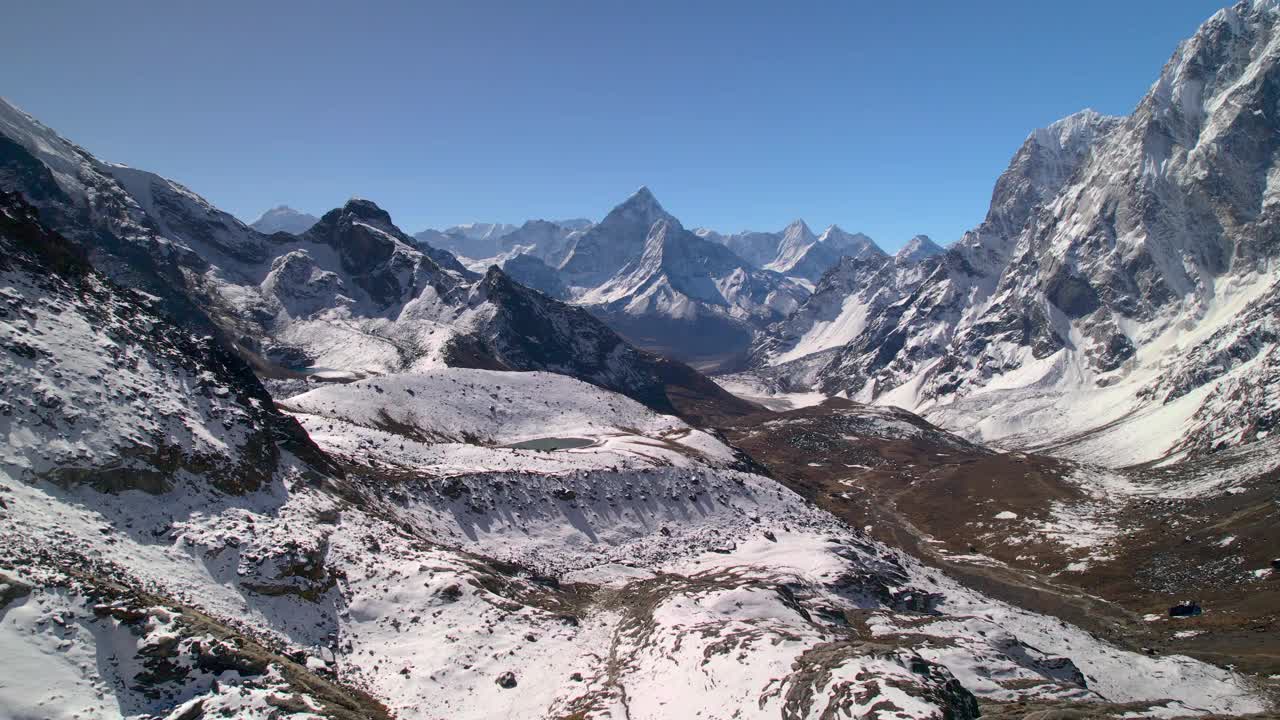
320 467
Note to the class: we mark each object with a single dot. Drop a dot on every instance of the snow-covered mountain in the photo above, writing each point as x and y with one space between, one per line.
832 245
543 239
1121 279
846 244
174 545
757 248
283 218
446 494
795 251
352 296
604 250
803 256
669 290
479 231
918 248
548 241
472 240
796 241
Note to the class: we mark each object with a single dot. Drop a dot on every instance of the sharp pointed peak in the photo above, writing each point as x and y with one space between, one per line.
919 248
641 202
799 230
643 195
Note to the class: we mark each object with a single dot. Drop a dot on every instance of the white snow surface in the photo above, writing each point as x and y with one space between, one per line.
684 584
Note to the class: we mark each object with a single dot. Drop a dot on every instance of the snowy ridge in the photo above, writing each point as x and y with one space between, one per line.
1109 251
795 251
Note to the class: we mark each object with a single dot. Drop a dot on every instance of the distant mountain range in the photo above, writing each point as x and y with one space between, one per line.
696 296
351 295
1123 274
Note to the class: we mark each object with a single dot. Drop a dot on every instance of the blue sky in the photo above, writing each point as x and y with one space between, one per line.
889 118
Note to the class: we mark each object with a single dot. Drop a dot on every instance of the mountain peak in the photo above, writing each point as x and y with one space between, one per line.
643 200
918 248
1073 132
357 210
283 218
838 235
640 207
367 210
796 236
846 243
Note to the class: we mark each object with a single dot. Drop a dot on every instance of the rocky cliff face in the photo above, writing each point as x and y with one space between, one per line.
1110 244
100 388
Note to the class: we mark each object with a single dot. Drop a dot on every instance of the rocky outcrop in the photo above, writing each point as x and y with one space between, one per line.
118 396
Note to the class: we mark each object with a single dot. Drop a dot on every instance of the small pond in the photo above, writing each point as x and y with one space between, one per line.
552 443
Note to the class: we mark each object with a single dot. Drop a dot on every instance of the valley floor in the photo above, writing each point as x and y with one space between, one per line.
1110 551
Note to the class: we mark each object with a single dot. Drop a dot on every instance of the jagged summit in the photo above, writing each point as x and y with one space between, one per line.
365 209
845 243
797 227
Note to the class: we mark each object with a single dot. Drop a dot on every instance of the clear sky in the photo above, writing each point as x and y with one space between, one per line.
889 118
